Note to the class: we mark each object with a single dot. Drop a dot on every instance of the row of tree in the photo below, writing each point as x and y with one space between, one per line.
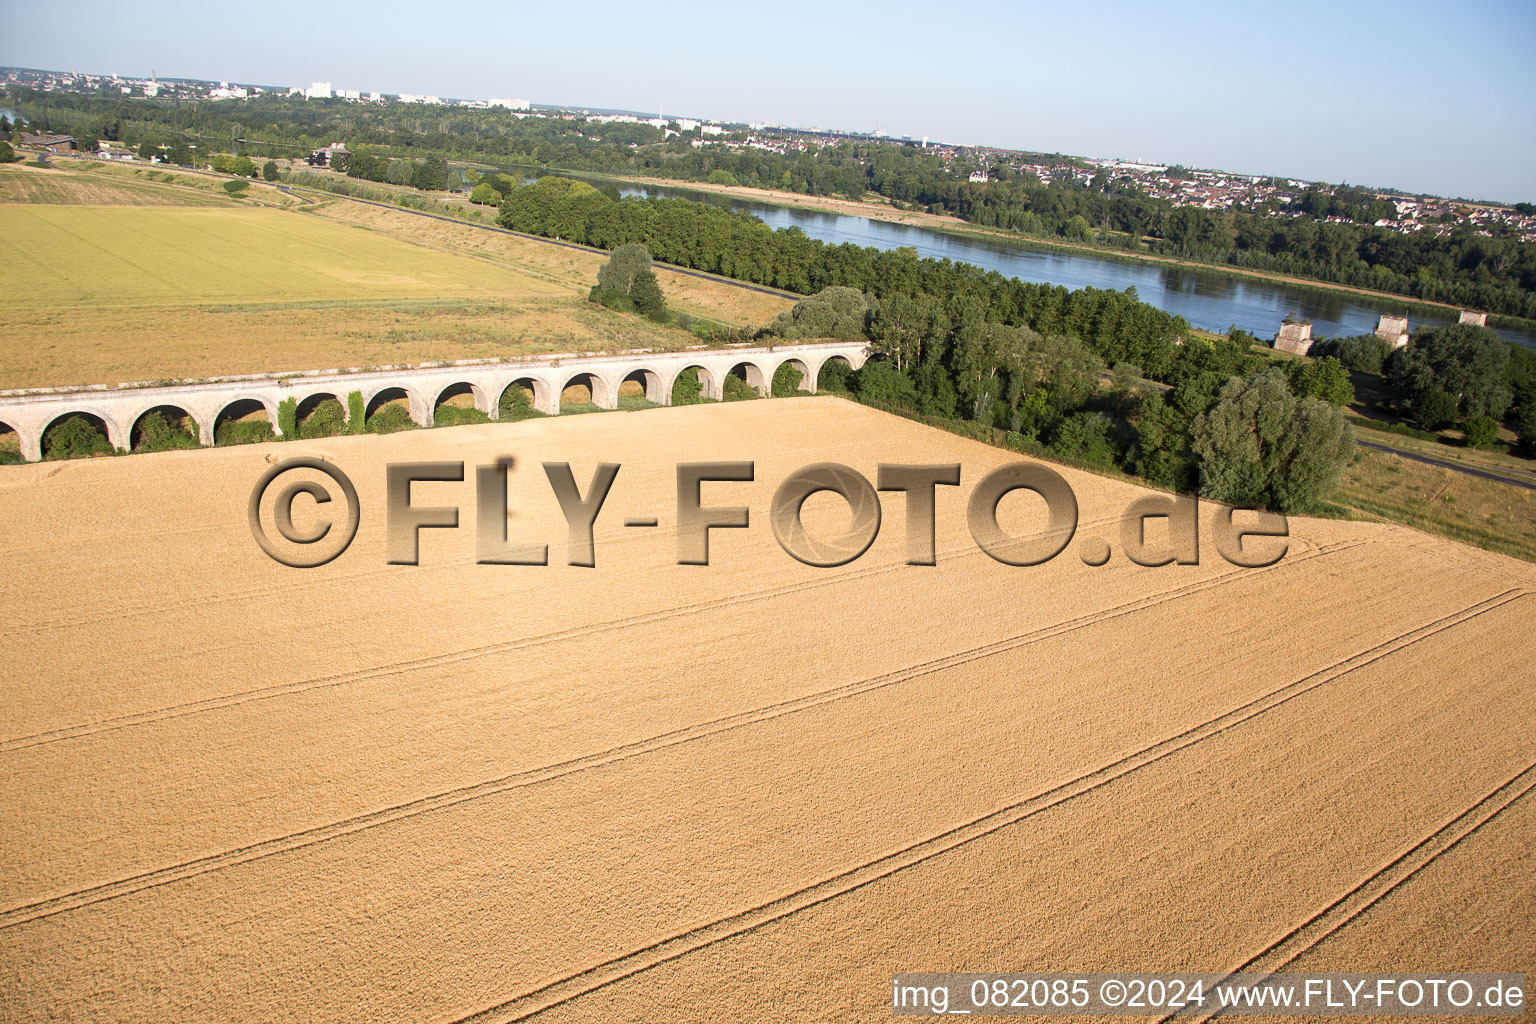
1117 326
1462 268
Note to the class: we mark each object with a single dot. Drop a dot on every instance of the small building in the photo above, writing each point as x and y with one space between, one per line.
1475 319
1295 336
328 156
48 143
1393 330
978 177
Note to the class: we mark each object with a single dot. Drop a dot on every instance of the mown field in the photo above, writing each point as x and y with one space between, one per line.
72 188
108 288
752 790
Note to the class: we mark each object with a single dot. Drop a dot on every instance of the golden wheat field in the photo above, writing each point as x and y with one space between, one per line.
747 791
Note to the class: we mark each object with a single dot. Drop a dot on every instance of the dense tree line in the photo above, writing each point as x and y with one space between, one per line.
963 344
1462 268
1117 326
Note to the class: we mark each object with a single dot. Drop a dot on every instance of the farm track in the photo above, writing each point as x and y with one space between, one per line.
308 837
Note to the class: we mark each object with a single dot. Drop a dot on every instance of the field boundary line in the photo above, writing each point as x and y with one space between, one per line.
532 776
1310 933
564 990
487 650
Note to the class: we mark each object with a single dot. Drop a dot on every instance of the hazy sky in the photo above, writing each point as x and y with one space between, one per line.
1421 96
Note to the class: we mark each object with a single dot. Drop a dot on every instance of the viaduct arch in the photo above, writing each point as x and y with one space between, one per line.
30 412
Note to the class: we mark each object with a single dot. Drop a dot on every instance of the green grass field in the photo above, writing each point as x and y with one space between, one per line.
132 256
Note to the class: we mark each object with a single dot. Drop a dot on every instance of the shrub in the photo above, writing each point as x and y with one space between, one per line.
159 433
647 297
836 312
1392 428
834 376
786 381
326 419
1087 438
288 417
879 381
235 188
390 419
269 170
1433 409
688 390
738 390
1363 353
7 154
357 419
1480 432
516 405
1525 426
242 432
74 437
611 299
1324 379
454 416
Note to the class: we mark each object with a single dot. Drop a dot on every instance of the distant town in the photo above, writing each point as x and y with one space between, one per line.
1205 189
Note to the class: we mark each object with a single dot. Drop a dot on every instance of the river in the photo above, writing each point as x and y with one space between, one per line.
1210 300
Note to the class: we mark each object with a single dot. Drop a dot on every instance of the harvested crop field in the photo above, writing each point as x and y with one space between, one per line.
65 185
752 790
118 278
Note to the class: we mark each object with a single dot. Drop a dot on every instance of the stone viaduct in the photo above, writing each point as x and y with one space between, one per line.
118 408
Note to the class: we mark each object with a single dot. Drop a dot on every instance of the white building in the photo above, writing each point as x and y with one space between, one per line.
318 91
511 104
711 129
349 94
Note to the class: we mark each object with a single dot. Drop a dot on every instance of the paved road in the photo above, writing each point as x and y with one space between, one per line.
1470 471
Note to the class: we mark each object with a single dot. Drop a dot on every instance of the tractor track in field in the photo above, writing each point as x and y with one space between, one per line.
688 734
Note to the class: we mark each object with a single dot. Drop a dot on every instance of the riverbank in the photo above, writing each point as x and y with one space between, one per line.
881 209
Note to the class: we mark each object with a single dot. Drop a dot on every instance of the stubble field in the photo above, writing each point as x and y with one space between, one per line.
115 277
748 791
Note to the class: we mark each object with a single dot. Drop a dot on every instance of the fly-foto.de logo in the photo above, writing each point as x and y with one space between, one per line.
1258 539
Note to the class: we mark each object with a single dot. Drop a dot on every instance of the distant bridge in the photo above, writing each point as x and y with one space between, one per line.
210 402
